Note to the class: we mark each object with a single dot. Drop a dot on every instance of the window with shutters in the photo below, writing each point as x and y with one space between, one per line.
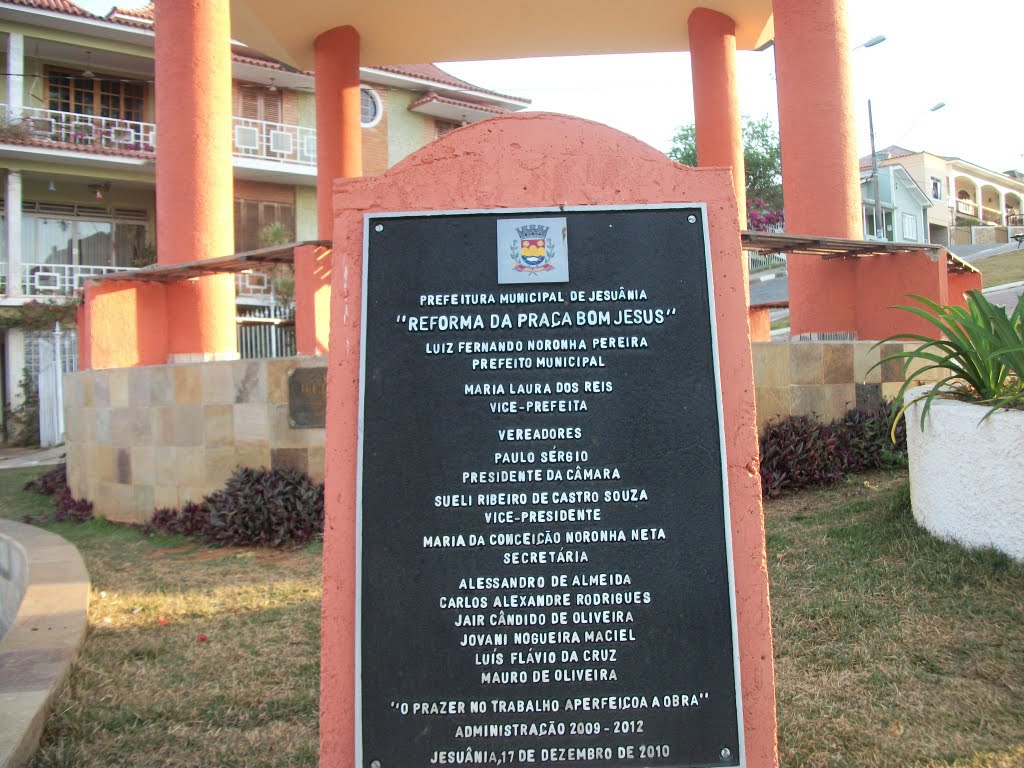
444 127
121 99
251 216
260 104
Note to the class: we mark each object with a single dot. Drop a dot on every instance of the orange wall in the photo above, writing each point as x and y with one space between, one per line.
312 299
126 324
962 282
760 324
572 162
884 281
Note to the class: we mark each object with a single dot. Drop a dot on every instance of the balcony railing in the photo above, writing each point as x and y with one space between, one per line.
64 279
273 141
276 142
991 215
83 130
967 208
60 279
255 288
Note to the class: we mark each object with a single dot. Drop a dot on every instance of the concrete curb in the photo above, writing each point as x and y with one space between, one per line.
47 633
1004 287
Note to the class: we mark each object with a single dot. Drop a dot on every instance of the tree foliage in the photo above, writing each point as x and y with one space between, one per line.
761 156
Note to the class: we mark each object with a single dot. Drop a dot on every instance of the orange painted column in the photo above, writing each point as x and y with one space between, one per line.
339 155
193 173
339 131
820 178
716 100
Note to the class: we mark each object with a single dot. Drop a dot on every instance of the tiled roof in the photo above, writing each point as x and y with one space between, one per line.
61 6
93 150
136 17
245 55
146 12
888 153
430 97
435 74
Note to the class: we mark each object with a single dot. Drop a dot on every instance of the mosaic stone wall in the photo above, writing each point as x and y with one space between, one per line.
144 438
823 379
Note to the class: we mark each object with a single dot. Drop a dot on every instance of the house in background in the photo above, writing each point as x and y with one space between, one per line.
904 205
77 150
965 197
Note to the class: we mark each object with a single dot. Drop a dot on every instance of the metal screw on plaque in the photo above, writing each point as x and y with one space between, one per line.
693 220
378 228
375 764
725 753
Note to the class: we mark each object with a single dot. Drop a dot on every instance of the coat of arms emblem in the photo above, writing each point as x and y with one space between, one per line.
532 251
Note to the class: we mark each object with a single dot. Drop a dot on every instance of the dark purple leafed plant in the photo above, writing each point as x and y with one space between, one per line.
800 451
257 507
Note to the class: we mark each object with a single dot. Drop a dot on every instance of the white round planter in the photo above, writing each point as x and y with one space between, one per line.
967 475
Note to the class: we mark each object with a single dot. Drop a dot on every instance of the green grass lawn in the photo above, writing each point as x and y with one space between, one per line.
892 648
1001 269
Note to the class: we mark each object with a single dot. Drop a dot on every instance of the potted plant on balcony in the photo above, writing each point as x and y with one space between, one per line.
282 276
965 432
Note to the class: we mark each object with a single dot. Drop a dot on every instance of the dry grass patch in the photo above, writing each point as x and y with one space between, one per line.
1001 269
892 648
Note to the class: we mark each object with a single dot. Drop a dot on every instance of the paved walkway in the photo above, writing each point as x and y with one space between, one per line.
1005 295
12 458
44 579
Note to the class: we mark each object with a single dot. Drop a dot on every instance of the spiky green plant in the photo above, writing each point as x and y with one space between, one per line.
981 352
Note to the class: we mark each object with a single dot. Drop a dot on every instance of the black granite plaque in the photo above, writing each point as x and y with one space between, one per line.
544 574
307 398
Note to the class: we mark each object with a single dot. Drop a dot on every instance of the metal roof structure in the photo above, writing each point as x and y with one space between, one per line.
759 242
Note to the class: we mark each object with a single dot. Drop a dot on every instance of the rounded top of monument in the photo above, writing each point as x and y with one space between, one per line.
411 31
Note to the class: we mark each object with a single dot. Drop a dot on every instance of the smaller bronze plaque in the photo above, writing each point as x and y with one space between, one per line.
307 398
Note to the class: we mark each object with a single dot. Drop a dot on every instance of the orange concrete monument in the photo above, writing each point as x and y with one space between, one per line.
553 163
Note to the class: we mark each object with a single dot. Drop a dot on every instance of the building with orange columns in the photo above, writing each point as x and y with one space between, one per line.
816 125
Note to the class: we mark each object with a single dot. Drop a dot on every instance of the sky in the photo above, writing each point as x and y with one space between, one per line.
964 54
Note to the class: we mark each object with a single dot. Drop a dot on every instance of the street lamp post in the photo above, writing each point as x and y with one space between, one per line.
879 226
870 43
879 223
